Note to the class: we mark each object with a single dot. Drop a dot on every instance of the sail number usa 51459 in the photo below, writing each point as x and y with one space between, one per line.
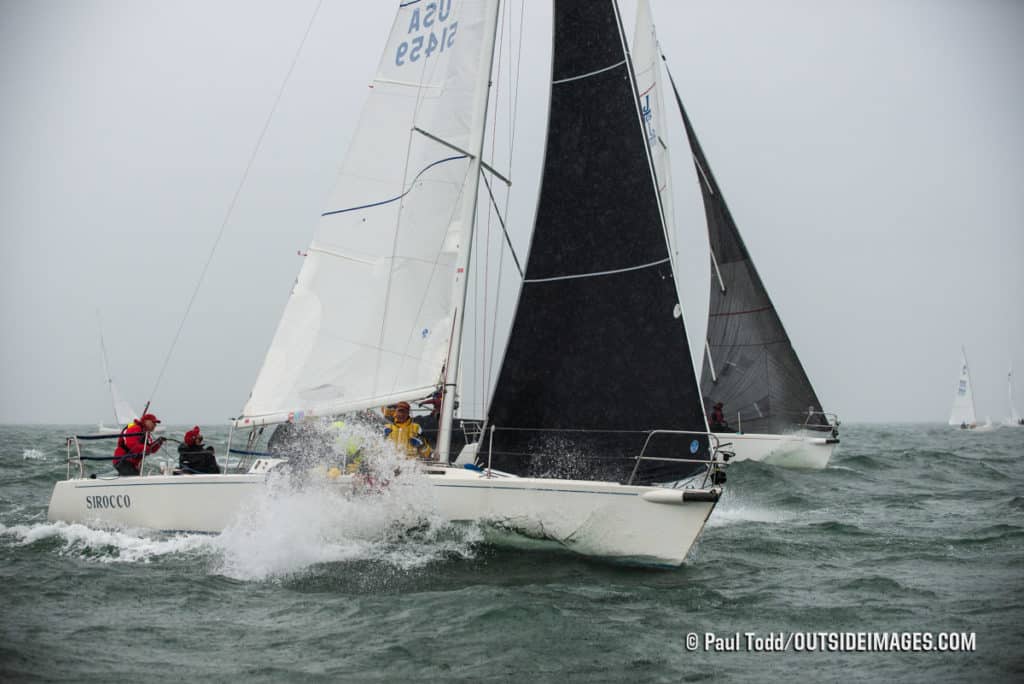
434 33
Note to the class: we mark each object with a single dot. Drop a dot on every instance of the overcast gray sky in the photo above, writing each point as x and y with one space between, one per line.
871 153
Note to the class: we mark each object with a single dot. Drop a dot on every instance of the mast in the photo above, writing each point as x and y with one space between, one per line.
451 378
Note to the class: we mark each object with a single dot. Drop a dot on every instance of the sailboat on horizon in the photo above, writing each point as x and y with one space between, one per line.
634 479
963 414
1014 419
751 372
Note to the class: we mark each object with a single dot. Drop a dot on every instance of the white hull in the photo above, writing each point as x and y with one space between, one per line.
987 426
788 451
650 525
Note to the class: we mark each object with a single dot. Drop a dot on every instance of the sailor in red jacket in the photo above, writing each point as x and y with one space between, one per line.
135 442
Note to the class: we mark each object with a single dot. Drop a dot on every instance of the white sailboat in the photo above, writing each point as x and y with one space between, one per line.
1014 419
750 365
376 314
963 414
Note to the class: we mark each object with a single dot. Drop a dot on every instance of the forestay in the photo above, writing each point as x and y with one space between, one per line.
370 316
597 354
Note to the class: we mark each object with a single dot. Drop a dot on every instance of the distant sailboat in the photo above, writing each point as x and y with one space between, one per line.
123 411
749 362
963 414
1014 420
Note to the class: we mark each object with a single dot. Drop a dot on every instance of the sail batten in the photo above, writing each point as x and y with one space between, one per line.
589 74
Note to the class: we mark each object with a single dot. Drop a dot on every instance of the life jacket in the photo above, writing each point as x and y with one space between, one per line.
405 436
133 431
122 445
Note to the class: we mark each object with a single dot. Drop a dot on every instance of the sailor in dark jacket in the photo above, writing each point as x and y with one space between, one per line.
193 457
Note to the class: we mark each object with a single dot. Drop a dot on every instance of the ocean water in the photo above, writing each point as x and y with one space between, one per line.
912 528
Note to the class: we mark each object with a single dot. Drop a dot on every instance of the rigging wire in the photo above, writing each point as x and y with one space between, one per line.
504 230
513 120
502 46
233 203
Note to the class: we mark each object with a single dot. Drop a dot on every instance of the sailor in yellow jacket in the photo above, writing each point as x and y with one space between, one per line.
405 434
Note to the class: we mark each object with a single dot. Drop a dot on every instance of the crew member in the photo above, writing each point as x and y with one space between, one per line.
193 457
134 443
349 442
431 423
716 421
406 434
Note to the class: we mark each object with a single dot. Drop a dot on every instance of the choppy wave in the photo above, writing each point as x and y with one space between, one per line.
107 546
911 528
731 511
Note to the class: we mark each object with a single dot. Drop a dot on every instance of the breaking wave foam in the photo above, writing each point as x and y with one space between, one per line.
730 511
105 545
303 519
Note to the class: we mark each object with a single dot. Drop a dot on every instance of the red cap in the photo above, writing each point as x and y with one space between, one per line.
149 416
192 436
402 404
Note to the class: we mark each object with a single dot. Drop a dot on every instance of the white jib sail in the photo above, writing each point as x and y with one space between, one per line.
370 316
647 62
963 400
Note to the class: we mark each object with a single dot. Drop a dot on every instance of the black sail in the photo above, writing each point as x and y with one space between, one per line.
593 360
749 363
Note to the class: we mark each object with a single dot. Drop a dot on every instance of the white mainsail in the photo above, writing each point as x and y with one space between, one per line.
371 315
963 400
647 62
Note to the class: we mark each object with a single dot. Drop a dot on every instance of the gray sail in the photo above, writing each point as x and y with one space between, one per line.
750 365
593 361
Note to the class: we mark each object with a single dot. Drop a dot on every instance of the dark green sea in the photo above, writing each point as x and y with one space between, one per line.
912 528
